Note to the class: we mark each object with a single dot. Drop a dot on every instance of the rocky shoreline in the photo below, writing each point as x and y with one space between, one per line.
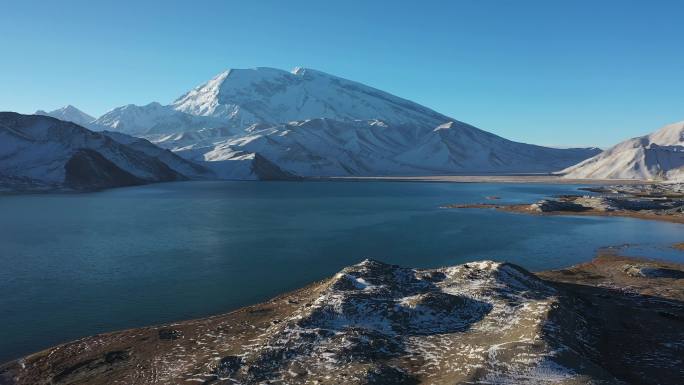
663 202
610 321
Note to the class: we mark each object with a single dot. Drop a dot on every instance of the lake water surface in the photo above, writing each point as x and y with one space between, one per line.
78 264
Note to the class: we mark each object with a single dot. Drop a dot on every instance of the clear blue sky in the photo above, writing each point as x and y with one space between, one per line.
547 72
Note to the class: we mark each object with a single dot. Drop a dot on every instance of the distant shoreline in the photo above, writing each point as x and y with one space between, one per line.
512 178
650 202
525 209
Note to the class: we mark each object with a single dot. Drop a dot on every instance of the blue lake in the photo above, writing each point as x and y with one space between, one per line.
79 264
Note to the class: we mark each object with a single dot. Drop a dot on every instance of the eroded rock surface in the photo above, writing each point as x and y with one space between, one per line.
373 323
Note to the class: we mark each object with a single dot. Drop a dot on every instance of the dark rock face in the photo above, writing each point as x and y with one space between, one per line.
364 345
180 165
366 316
87 169
40 153
228 365
554 205
169 334
267 170
83 370
652 272
388 375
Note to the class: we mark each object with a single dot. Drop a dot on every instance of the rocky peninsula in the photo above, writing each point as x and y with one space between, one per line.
664 202
614 320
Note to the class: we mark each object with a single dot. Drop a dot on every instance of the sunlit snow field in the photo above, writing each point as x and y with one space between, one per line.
79 264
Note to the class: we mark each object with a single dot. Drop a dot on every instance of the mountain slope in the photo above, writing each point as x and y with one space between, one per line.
242 165
68 113
151 119
269 95
324 147
314 124
459 147
658 156
180 165
50 151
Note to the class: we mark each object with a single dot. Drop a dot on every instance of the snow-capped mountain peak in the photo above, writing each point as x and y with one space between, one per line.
203 99
272 95
68 113
311 123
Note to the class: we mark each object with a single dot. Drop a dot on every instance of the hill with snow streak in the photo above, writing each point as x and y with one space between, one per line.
44 151
180 165
658 156
324 147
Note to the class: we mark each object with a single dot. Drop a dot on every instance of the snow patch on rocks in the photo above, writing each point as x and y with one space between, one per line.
374 321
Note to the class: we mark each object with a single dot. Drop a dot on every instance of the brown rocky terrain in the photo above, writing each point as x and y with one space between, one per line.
610 321
661 202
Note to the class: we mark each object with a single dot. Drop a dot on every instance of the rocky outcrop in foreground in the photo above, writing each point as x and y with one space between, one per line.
605 322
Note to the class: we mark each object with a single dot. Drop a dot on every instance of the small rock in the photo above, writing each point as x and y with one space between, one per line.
169 334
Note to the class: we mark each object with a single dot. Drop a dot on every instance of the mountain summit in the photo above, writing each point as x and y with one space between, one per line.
68 113
311 123
269 95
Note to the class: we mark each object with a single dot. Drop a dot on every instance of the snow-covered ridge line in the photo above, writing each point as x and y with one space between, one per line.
658 156
310 123
269 95
43 151
69 113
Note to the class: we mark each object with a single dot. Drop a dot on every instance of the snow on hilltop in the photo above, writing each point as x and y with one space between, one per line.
311 123
269 95
70 114
180 165
373 323
658 156
370 147
150 119
43 151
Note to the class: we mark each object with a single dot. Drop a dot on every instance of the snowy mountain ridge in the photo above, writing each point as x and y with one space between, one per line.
68 113
325 147
49 151
310 123
150 119
269 95
657 156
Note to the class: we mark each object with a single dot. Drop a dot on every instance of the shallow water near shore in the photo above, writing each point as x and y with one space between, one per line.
80 264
